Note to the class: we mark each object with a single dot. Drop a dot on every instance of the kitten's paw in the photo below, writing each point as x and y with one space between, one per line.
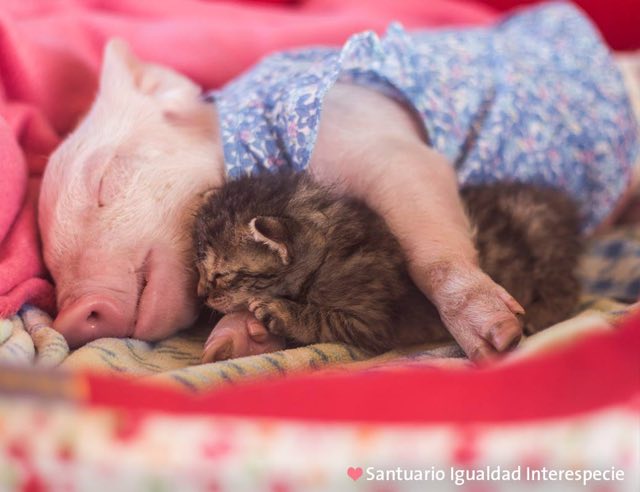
483 317
268 314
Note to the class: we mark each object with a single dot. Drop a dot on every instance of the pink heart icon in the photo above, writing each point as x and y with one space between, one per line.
354 473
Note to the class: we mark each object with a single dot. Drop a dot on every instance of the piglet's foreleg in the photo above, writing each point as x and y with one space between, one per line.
371 147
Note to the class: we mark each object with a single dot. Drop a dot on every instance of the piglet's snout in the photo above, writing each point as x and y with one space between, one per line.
96 316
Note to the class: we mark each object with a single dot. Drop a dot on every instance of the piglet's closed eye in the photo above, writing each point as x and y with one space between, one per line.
116 173
274 233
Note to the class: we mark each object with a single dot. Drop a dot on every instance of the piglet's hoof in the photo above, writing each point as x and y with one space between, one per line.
239 335
484 318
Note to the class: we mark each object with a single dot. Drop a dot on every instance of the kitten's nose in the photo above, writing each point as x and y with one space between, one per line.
202 286
206 283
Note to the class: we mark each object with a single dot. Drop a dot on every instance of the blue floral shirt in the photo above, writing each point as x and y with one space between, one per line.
535 98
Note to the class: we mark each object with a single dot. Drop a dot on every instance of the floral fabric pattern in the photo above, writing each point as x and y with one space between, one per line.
534 98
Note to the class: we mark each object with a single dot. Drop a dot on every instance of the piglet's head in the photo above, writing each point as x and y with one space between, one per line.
117 200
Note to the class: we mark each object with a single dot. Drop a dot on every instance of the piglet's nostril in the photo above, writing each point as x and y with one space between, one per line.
93 317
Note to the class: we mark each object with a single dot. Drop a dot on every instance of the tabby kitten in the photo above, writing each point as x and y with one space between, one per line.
317 266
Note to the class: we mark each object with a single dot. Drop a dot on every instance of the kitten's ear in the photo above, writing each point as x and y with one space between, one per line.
273 232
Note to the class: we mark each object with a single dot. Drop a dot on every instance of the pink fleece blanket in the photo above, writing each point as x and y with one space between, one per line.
50 52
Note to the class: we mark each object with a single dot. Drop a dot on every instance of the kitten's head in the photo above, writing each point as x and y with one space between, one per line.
238 258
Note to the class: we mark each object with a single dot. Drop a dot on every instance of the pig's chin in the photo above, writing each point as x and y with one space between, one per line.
167 302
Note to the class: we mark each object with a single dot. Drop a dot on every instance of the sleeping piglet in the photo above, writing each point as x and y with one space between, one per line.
118 198
114 209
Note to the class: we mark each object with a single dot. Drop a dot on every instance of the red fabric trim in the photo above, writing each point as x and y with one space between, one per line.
601 370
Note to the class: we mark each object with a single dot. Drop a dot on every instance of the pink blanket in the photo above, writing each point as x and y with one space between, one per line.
50 52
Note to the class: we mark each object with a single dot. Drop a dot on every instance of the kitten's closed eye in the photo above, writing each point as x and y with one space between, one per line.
221 280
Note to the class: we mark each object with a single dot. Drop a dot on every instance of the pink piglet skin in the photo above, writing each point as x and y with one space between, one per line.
239 334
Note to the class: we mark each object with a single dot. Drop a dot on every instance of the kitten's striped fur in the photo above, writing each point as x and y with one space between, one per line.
317 266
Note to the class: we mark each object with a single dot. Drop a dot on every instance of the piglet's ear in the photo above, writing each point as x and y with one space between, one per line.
273 232
119 66
122 70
